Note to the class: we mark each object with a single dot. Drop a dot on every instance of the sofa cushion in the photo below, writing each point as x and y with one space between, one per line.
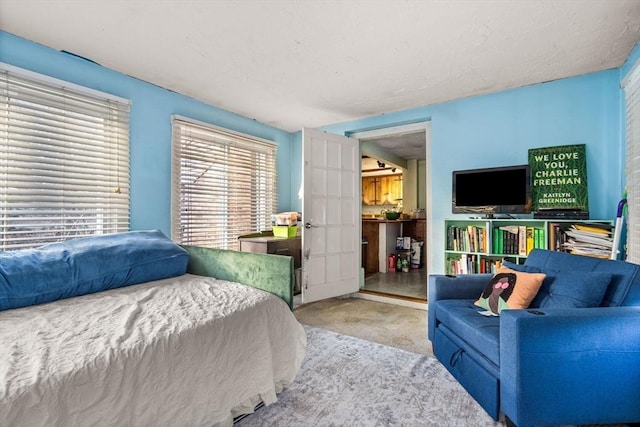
572 289
510 289
463 318
624 289
87 265
568 289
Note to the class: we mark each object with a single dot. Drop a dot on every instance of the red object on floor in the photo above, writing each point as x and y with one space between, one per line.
391 262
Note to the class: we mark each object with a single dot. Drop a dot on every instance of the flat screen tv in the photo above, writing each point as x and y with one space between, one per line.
489 191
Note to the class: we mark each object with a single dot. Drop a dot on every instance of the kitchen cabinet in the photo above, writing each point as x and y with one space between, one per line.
370 234
381 190
370 190
391 189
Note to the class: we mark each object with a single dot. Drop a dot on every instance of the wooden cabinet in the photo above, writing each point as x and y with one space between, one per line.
391 189
381 190
269 244
370 192
274 245
370 232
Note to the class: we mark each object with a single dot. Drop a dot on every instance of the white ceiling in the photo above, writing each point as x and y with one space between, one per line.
405 145
292 64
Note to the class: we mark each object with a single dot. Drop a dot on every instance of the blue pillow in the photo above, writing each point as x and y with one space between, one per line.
87 265
567 289
572 289
520 267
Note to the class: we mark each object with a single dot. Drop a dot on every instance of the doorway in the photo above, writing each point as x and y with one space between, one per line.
400 154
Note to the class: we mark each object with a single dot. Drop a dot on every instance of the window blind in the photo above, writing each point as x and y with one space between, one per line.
64 161
632 99
224 185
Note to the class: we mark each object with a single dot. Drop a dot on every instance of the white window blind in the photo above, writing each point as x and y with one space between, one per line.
632 98
224 185
64 161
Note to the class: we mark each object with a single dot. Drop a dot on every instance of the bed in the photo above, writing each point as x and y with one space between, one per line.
187 349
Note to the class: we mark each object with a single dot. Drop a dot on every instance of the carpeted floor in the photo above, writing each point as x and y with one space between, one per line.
370 365
347 381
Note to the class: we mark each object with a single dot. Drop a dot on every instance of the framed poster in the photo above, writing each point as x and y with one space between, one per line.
559 178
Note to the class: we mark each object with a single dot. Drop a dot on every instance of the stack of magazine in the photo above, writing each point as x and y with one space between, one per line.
593 239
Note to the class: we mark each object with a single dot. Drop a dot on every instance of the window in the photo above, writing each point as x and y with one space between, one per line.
632 96
64 160
224 185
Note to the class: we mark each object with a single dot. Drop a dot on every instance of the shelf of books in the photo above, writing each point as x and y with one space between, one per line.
480 245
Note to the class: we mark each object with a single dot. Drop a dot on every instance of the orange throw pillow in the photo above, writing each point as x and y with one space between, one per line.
510 289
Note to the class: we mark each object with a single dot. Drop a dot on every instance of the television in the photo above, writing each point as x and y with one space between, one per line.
489 191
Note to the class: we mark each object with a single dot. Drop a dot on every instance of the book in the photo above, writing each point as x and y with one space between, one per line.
529 240
591 228
552 243
522 240
496 242
509 239
464 265
539 238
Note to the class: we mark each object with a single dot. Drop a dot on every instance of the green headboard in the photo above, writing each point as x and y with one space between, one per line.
271 273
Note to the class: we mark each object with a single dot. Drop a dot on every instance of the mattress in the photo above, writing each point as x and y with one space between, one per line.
184 351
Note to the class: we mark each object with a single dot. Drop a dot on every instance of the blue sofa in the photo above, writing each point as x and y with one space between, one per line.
549 364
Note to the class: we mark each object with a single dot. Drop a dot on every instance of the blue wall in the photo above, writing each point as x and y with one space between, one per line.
482 131
499 129
150 125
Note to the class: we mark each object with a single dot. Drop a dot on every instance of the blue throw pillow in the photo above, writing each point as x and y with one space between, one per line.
572 289
567 289
87 265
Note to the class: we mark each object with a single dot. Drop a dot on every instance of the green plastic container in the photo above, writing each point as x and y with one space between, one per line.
284 231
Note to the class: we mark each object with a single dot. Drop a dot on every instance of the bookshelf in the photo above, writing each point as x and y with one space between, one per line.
480 245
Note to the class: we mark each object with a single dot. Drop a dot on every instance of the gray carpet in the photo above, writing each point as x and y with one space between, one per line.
347 381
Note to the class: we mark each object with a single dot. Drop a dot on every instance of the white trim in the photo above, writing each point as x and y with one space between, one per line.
392 130
428 249
411 128
58 82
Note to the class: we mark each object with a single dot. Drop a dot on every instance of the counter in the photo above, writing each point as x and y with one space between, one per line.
381 235
388 220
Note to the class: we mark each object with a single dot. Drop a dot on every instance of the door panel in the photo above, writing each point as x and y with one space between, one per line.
330 213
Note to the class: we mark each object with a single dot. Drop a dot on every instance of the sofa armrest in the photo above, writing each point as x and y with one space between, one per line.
570 366
456 287
467 286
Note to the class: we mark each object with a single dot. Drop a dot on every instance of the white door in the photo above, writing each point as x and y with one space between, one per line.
330 215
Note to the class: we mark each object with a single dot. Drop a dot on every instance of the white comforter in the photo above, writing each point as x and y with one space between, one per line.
186 351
